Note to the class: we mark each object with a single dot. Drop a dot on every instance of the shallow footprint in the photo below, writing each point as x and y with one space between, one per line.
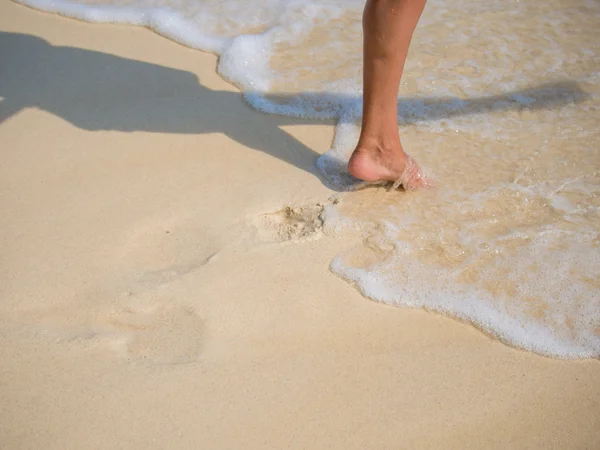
169 247
169 335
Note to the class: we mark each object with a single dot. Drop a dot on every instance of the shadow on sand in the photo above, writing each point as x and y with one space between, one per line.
129 95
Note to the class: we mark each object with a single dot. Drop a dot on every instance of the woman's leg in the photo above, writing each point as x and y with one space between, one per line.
388 28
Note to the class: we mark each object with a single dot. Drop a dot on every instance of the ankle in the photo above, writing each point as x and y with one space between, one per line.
386 144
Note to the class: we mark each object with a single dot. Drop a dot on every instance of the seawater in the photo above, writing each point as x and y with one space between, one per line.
500 100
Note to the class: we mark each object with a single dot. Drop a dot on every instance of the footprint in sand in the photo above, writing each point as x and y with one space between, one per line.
166 249
157 258
292 223
166 335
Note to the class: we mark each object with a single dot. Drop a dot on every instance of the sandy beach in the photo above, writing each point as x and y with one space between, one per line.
164 281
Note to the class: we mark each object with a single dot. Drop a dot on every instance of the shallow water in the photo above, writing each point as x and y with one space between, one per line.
500 101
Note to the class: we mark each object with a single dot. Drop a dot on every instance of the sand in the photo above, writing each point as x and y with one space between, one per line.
156 294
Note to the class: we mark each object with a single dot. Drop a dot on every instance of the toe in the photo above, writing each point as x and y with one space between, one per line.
413 178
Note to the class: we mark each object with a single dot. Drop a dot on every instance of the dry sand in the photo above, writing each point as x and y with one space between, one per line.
147 301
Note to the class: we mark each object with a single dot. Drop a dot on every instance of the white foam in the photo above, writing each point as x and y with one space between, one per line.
566 315
471 307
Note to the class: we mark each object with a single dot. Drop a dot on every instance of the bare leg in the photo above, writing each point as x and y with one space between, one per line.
388 28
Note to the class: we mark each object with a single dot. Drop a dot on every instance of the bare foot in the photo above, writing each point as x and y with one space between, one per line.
376 163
